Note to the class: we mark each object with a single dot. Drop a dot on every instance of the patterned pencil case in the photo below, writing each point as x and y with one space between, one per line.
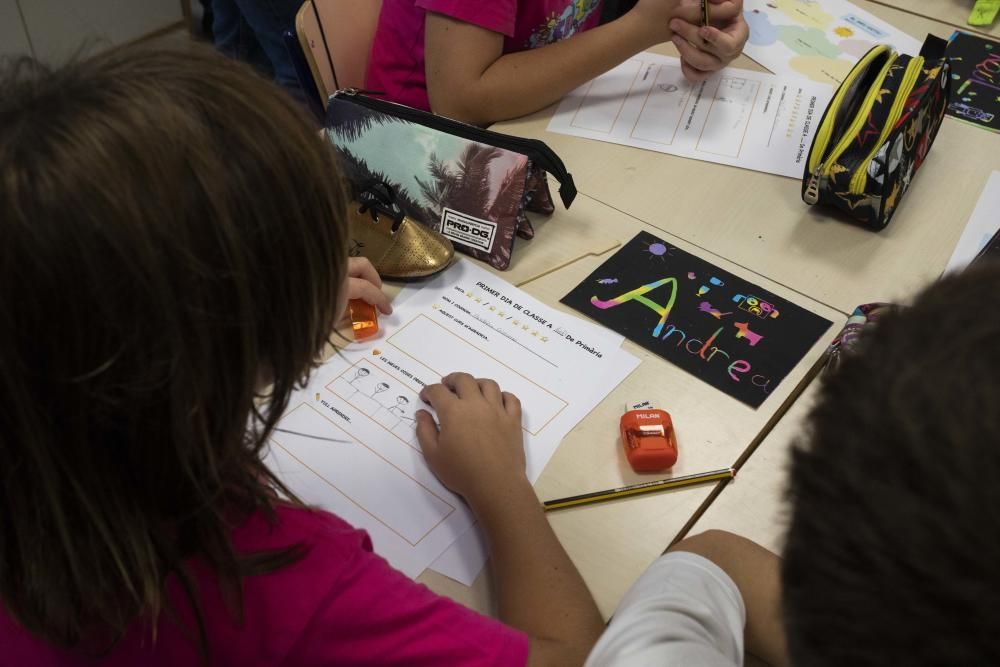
877 131
470 184
862 319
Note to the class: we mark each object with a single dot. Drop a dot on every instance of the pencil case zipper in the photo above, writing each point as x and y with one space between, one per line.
830 119
820 162
540 155
859 180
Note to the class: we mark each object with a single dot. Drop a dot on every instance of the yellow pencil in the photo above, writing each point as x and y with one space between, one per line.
638 489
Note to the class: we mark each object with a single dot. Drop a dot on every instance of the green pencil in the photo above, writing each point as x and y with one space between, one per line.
638 489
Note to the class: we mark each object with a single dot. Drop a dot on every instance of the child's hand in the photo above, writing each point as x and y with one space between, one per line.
363 282
654 18
478 449
707 49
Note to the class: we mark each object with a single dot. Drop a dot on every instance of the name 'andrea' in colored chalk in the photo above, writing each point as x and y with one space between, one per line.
703 349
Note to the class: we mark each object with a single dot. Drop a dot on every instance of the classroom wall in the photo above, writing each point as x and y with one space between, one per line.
55 29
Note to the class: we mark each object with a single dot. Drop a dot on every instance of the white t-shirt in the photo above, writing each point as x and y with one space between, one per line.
684 611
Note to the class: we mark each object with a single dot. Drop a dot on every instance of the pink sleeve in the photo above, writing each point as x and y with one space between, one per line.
377 615
496 15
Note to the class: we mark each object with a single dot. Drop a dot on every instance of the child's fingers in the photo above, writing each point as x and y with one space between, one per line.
688 31
728 43
427 432
512 405
359 288
491 390
695 57
361 267
463 384
688 10
723 11
437 396
693 75
725 45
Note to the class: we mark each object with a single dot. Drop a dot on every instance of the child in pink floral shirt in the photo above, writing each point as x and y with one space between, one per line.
488 60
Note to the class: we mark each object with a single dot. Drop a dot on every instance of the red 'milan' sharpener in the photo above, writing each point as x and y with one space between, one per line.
648 438
364 318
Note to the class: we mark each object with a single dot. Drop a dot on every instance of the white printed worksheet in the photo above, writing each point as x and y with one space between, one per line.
737 117
348 441
819 39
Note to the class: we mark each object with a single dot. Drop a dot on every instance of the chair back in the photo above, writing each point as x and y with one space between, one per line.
336 37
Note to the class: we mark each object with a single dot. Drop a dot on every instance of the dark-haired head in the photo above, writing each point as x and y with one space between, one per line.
173 234
893 550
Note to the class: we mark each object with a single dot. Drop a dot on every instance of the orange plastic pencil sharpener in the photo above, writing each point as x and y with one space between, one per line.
364 319
648 438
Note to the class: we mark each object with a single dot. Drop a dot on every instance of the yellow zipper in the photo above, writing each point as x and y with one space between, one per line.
859 180
826 129
820 165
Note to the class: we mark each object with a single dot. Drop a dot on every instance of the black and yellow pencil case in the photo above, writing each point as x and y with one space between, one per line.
877 131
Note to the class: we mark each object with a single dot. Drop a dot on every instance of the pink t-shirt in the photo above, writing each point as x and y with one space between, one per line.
396 66
340 605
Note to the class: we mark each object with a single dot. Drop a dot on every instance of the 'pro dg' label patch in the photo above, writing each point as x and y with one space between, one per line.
467 230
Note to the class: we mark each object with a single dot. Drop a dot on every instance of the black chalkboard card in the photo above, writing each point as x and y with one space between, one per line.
975 89
717 326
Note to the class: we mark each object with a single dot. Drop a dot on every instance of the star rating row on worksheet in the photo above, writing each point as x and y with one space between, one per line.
499 312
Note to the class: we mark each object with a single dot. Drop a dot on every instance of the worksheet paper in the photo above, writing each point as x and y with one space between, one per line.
817 39
736 117
981 227
347 442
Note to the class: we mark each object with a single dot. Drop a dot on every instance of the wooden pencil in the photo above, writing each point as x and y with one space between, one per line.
638 489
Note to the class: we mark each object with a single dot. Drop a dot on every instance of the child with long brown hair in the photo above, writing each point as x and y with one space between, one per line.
173 262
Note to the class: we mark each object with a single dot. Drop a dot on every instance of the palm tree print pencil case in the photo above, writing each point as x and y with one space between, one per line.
472 185
877 131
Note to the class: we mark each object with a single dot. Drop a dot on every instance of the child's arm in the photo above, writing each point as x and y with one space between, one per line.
756 573
470 79
478 452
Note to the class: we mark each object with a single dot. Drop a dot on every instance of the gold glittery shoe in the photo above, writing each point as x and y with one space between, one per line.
398 248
